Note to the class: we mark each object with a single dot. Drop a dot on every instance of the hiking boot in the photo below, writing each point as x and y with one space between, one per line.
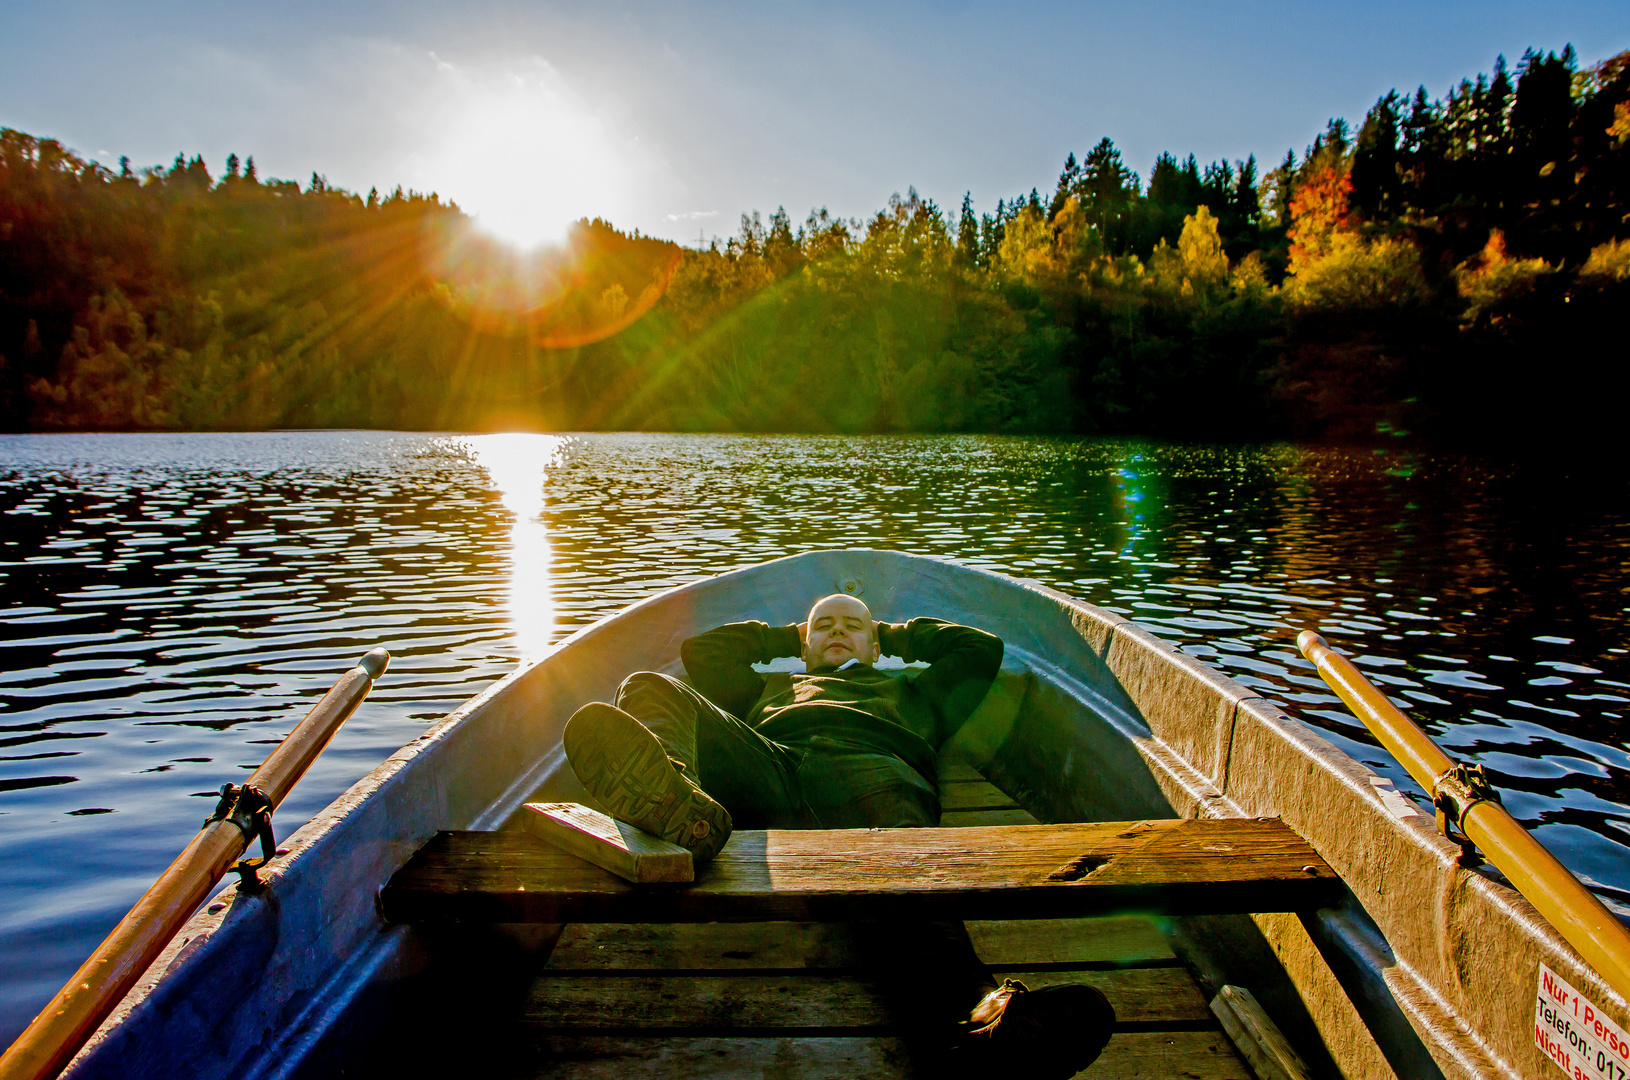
629 773
1047 1034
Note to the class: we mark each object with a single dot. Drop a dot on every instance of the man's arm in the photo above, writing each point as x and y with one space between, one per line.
720 662
962 664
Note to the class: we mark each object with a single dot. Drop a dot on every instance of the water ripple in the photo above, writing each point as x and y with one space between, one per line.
173 604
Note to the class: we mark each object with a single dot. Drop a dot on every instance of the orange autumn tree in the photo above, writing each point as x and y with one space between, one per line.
1332 265
1319 211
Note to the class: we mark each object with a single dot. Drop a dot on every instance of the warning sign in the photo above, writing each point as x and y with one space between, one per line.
1571 1031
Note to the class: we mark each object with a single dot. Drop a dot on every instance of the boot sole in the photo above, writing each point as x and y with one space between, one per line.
628 772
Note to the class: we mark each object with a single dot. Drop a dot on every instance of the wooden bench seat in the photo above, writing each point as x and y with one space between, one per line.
1180 866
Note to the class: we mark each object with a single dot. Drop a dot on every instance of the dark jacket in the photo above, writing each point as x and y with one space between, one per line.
857 708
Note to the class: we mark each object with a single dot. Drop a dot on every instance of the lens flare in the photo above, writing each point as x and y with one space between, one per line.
595 285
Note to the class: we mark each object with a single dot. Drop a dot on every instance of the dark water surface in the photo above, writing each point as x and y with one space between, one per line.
172 604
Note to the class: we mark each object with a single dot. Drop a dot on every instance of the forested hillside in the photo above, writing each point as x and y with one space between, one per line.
1456 268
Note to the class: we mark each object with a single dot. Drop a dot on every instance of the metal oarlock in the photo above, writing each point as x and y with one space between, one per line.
250 810
1456 791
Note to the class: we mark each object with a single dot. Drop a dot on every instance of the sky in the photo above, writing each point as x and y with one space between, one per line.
675 117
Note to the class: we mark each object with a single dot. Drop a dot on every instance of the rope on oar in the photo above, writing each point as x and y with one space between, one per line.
78 1009
1469 811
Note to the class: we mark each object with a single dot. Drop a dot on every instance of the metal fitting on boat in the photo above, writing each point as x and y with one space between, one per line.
250 810
1455 792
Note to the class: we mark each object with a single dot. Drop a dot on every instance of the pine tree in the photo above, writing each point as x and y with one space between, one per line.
1246 203
1165 182
1284 189
967 232
1190 188
1377 187
1244 212
1493 134
992 228
1069 183
1217 187
1105 179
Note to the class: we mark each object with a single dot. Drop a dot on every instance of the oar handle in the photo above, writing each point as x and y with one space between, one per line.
1577 913
78 1009
288 762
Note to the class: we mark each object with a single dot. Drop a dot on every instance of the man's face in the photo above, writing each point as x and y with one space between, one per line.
840 629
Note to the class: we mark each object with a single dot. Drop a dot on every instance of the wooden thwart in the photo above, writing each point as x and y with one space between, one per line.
1012 872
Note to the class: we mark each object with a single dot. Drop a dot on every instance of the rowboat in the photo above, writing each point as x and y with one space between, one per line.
1396 959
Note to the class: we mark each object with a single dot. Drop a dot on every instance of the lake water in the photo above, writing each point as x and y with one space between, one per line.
173 604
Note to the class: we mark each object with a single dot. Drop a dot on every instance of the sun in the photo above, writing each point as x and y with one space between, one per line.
524 154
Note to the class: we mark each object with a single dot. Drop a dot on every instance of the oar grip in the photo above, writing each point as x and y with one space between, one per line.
285 765
1397 733
374 662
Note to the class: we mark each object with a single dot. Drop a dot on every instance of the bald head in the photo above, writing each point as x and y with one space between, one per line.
840 629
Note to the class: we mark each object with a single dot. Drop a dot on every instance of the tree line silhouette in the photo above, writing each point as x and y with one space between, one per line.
1458 267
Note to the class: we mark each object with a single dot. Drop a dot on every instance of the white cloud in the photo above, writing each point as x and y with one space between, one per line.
692 215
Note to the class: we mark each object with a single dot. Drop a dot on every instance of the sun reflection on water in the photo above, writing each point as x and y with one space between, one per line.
519 466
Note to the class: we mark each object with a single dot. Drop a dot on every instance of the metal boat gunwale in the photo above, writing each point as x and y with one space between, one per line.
1428 968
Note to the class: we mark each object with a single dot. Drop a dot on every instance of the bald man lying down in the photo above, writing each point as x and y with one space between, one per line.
839 745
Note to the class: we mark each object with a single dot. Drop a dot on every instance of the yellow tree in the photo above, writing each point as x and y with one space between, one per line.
1204 265
1197 266
1027 250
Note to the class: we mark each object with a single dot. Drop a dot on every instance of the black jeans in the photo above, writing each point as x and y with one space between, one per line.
928 971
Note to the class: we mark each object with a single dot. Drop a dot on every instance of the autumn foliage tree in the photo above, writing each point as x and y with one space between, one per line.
1319 211
1396 279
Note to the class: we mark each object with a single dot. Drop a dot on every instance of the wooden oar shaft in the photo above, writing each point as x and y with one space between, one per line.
1576 912
1401 736
78 1009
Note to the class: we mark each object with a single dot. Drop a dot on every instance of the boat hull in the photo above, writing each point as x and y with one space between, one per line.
1427 969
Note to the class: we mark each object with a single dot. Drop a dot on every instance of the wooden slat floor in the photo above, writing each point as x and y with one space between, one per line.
721 1001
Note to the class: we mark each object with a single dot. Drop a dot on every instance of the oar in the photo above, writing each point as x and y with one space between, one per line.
1469 812
62 1027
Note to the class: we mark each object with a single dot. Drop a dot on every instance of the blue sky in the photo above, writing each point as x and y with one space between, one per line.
675 117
